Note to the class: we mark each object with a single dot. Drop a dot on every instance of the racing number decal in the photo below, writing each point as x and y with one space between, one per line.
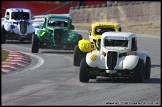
85 45
42 33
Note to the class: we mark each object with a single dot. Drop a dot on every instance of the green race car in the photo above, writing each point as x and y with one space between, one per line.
57 32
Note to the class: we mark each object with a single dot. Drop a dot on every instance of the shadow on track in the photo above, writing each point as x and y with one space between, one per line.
18 42
154 66
124 80
57 51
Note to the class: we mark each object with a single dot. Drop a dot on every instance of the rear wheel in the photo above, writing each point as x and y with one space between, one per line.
79 38
147 68
139 72
77 56
84 73
35 46
3 35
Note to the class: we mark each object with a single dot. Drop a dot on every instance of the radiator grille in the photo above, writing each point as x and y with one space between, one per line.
23 27
111 59
58 35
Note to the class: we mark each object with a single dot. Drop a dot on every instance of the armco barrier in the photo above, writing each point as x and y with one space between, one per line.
39 19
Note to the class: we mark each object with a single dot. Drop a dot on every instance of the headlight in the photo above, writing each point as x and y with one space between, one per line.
93 57
12 26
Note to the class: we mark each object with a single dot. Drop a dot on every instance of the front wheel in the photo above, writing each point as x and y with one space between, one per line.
84 73
139 72
147 68
35 46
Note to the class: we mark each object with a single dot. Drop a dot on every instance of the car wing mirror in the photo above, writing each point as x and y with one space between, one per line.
72 27
32 17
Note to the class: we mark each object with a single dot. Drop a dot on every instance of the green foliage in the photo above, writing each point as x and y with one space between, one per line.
4 55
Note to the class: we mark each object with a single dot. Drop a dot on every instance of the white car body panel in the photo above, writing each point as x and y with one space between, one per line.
12 23
125 62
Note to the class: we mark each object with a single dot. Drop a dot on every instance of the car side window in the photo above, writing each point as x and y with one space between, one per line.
7 14
13 15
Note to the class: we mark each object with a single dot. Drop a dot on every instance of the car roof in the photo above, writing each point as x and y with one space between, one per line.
58 16
104 23
119 34
18 10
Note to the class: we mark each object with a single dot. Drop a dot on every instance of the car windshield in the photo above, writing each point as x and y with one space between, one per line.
115 43
57 23
20 15
100 31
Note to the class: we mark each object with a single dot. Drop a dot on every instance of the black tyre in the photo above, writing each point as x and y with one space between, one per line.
3 35
35 46
77 54
147 68
79 38
139 72
84 73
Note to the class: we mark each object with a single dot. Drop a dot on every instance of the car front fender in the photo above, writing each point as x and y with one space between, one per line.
93 58
72 37
30 28
130 62
43 35
7 26
86 45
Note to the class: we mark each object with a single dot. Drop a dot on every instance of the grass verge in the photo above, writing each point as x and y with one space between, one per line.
4 55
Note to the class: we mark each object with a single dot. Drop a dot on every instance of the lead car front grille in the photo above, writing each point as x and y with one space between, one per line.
111 59
23 27
58 35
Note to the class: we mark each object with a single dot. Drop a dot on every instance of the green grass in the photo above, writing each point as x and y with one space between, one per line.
4 55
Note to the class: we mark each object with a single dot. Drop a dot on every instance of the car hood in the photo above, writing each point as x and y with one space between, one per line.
117 49
52 28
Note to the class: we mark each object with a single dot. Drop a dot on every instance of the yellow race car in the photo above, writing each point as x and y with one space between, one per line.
93 43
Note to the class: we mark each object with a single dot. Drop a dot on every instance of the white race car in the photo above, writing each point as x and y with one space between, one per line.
117 57
17 25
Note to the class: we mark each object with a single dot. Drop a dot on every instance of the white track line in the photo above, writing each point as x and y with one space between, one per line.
40 62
